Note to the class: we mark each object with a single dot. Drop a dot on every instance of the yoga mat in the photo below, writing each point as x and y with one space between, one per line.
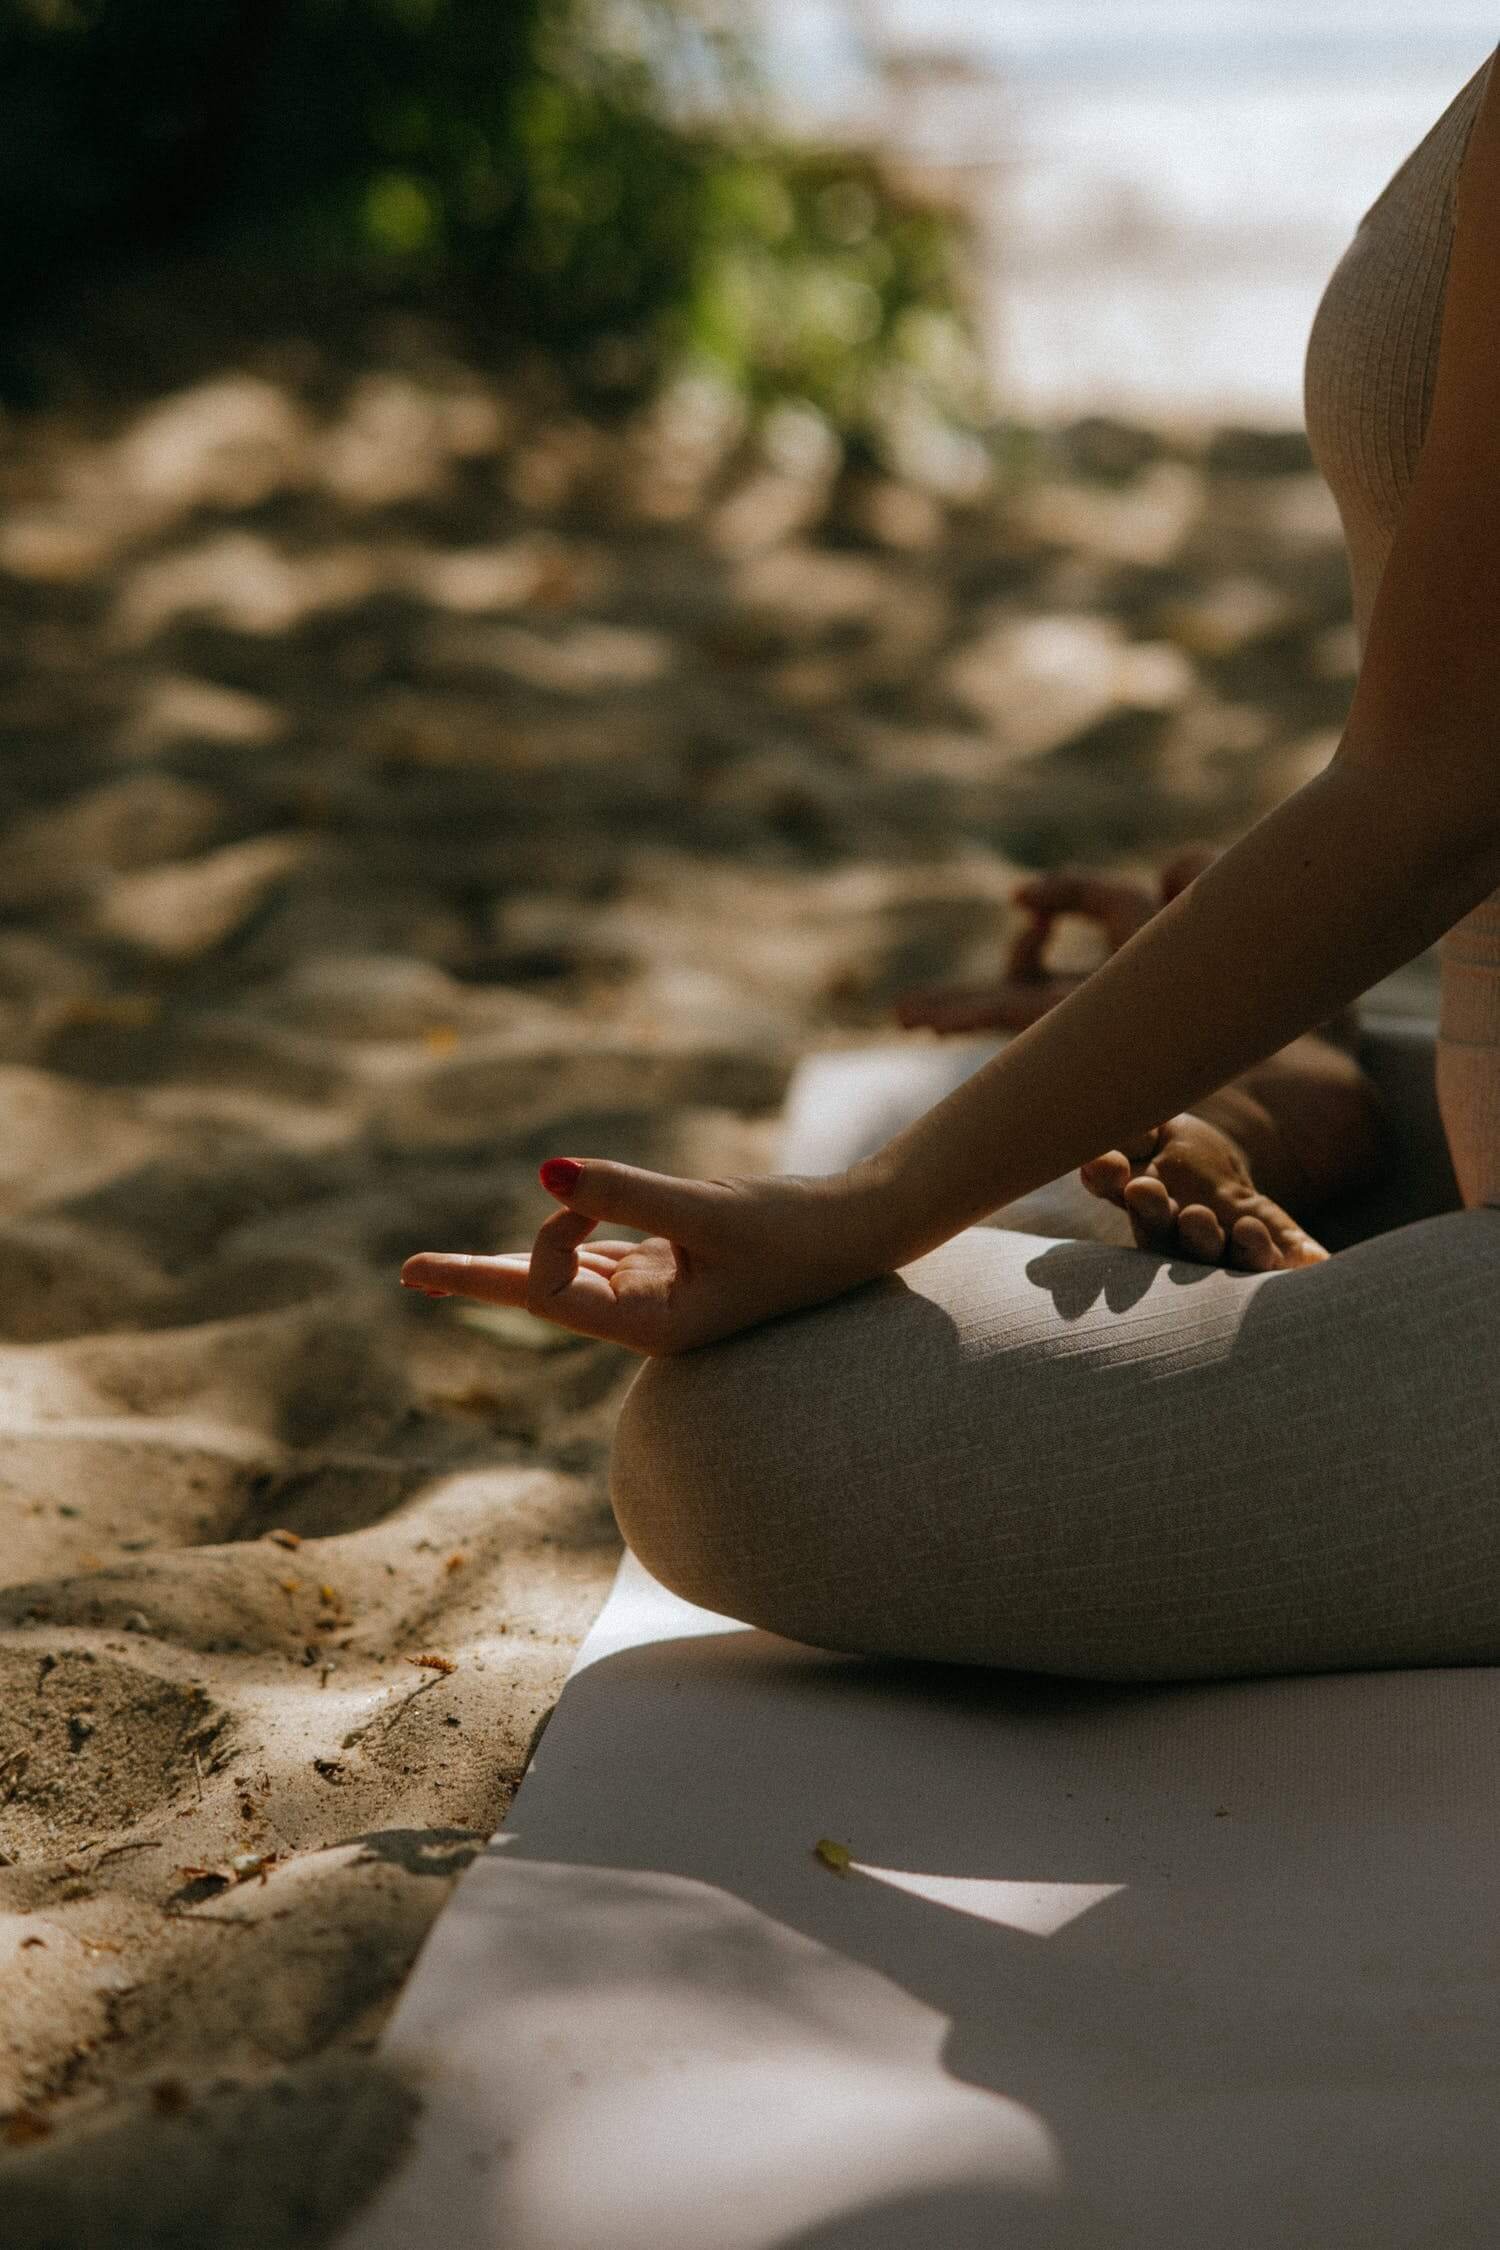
1209 1965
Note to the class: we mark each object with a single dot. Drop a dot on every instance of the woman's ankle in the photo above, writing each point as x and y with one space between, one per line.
1308 1122
1243 1117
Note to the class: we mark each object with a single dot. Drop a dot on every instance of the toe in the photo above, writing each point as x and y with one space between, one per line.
1200 1234
1251 1247
1149 1200
1107 1175
1145 1145
1153 1214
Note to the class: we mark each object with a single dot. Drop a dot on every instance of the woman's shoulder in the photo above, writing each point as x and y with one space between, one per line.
1432 169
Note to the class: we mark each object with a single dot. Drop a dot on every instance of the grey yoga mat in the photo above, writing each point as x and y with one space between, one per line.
1208 1966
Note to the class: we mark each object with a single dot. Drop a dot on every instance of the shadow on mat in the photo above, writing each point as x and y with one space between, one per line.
1209 1936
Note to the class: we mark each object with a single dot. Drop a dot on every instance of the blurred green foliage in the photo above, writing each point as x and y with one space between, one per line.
596 172
818 281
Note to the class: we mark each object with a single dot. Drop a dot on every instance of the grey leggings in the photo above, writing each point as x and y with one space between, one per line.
1067 1457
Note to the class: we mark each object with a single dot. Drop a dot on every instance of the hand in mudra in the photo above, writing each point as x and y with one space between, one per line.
720 1255
1117 904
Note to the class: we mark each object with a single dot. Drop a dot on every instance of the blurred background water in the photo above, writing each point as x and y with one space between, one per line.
1163 185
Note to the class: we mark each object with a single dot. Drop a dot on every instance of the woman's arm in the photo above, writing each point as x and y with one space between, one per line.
1348 879
1353 875
1363 868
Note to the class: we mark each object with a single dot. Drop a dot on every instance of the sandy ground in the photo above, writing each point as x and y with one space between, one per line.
403 780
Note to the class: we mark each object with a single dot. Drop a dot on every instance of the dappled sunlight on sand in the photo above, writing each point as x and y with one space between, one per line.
407 777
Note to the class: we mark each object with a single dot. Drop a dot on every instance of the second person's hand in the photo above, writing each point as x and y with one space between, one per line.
1117 904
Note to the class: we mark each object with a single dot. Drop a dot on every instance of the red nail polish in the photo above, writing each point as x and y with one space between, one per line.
560 1175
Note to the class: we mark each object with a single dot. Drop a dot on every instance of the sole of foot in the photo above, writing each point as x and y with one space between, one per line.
1188 1192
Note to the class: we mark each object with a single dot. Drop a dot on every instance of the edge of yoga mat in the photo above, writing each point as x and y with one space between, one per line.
1110 1967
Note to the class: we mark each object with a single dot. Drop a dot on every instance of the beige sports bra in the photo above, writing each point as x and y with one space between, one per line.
1371 369
1372 354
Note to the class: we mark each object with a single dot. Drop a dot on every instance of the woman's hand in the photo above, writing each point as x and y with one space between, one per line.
720 1255
1119 906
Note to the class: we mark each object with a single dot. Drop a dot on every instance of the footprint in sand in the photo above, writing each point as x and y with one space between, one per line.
88 1743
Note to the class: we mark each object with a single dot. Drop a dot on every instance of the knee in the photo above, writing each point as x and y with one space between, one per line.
683 1479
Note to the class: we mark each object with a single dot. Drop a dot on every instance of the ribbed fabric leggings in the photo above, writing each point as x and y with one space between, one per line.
1468 1051
1067 1458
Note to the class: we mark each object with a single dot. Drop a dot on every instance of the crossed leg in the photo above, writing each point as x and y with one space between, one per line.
1067 1458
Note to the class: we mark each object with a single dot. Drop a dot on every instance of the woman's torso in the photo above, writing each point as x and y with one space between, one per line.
1372 355
1371 370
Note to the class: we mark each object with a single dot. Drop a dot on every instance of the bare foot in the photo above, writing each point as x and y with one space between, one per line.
1219 1184
1188 1191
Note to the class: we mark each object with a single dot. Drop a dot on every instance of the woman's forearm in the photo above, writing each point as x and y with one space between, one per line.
1358 872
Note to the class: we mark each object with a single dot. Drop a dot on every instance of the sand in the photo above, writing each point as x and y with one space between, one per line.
407 778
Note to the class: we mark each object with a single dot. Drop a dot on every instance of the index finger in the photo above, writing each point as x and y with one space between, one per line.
509 1280
586 1304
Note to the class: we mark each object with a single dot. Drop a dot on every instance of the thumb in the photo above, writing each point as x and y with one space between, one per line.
653 1202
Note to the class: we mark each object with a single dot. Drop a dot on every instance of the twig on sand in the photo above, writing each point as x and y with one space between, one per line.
386 1720
118 1851
423 1687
